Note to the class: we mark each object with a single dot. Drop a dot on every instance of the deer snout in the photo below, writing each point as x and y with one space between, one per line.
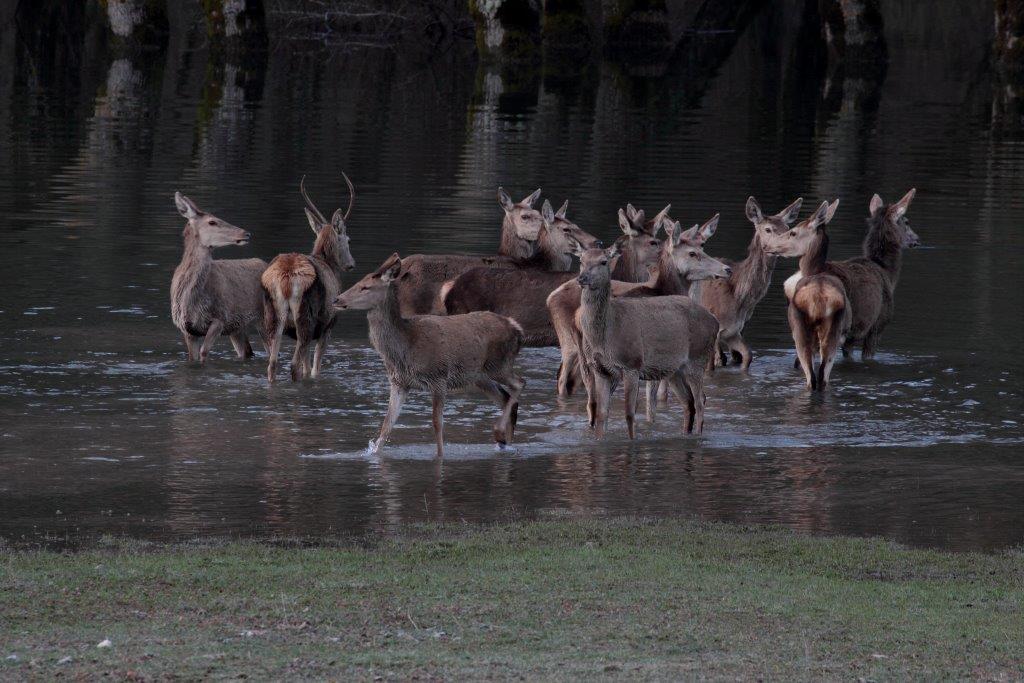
244 239
339 303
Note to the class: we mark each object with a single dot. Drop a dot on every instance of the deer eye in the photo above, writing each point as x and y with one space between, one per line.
693 254
213 222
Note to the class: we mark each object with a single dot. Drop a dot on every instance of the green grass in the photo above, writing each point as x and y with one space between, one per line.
555 599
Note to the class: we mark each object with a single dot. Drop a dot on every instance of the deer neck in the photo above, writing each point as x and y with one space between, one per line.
512 245
882 246
549 255
389 330
594 313
190 277
326 250
813 262
626 268
669 280
752 276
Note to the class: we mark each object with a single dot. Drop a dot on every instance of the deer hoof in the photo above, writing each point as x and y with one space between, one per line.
504 448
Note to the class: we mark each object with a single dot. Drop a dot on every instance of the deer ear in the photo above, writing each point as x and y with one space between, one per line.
790 213
899 208
391 268
186 207
831 211
690 235
661 216
505 201
547 213
313 222
577 248
708 229
612 251
625 225
876 205
338 221
638 219
561 212
630 212
818 219
754 213
531 199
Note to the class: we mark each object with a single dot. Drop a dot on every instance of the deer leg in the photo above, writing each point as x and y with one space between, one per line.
318 353
802 342
395 401
216 327
566 373
190 346
649 397
828 347
300 359
240 342
500 398
631 388
510 414
867 351
602 396
694 378
438 420
740 352
662 391
275 349
682 392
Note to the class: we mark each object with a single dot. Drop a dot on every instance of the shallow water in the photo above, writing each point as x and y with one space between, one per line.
105 429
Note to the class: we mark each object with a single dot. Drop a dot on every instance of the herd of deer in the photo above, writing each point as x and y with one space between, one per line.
645 308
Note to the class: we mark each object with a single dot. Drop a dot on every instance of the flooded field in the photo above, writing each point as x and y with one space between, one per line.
104 429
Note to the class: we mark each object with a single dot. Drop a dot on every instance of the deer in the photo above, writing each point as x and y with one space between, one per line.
870 280
438 354
628 339
299 289
213 297
421 283
638 249
734 299
819 309
521 293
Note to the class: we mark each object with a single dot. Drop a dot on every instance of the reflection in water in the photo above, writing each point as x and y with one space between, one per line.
105 429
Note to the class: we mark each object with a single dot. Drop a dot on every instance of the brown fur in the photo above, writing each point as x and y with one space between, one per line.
288 273
438 353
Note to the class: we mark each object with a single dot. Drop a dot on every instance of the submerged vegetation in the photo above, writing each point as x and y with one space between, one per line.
566 598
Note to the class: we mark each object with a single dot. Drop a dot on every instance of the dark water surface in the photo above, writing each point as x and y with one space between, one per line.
105 429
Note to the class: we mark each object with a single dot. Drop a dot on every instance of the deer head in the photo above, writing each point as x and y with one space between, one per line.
210 231
766 228
893 220
372 289
594 270
332 241
524 218
687 253
795 242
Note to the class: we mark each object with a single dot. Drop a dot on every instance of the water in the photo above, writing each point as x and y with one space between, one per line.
105 430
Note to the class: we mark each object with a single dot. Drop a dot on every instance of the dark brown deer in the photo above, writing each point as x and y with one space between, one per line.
639 245
733 300
819 310
870 280
420 284
628 339
437 353
299 290
214 297
521 293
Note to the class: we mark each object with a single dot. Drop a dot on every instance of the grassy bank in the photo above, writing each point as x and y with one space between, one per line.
661 599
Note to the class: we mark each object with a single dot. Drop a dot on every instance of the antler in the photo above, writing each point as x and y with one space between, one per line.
351 195
309 202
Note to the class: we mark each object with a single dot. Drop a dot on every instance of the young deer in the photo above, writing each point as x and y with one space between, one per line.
870 280
733 300
629 339
520 293
299 288
819 309
638 250
437 353
425 275
213 297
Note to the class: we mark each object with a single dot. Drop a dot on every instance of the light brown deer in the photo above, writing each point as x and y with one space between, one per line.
437 353
637 250
299 290
424 275
733 300
214 297
870 280
819 310
520 293
629 339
